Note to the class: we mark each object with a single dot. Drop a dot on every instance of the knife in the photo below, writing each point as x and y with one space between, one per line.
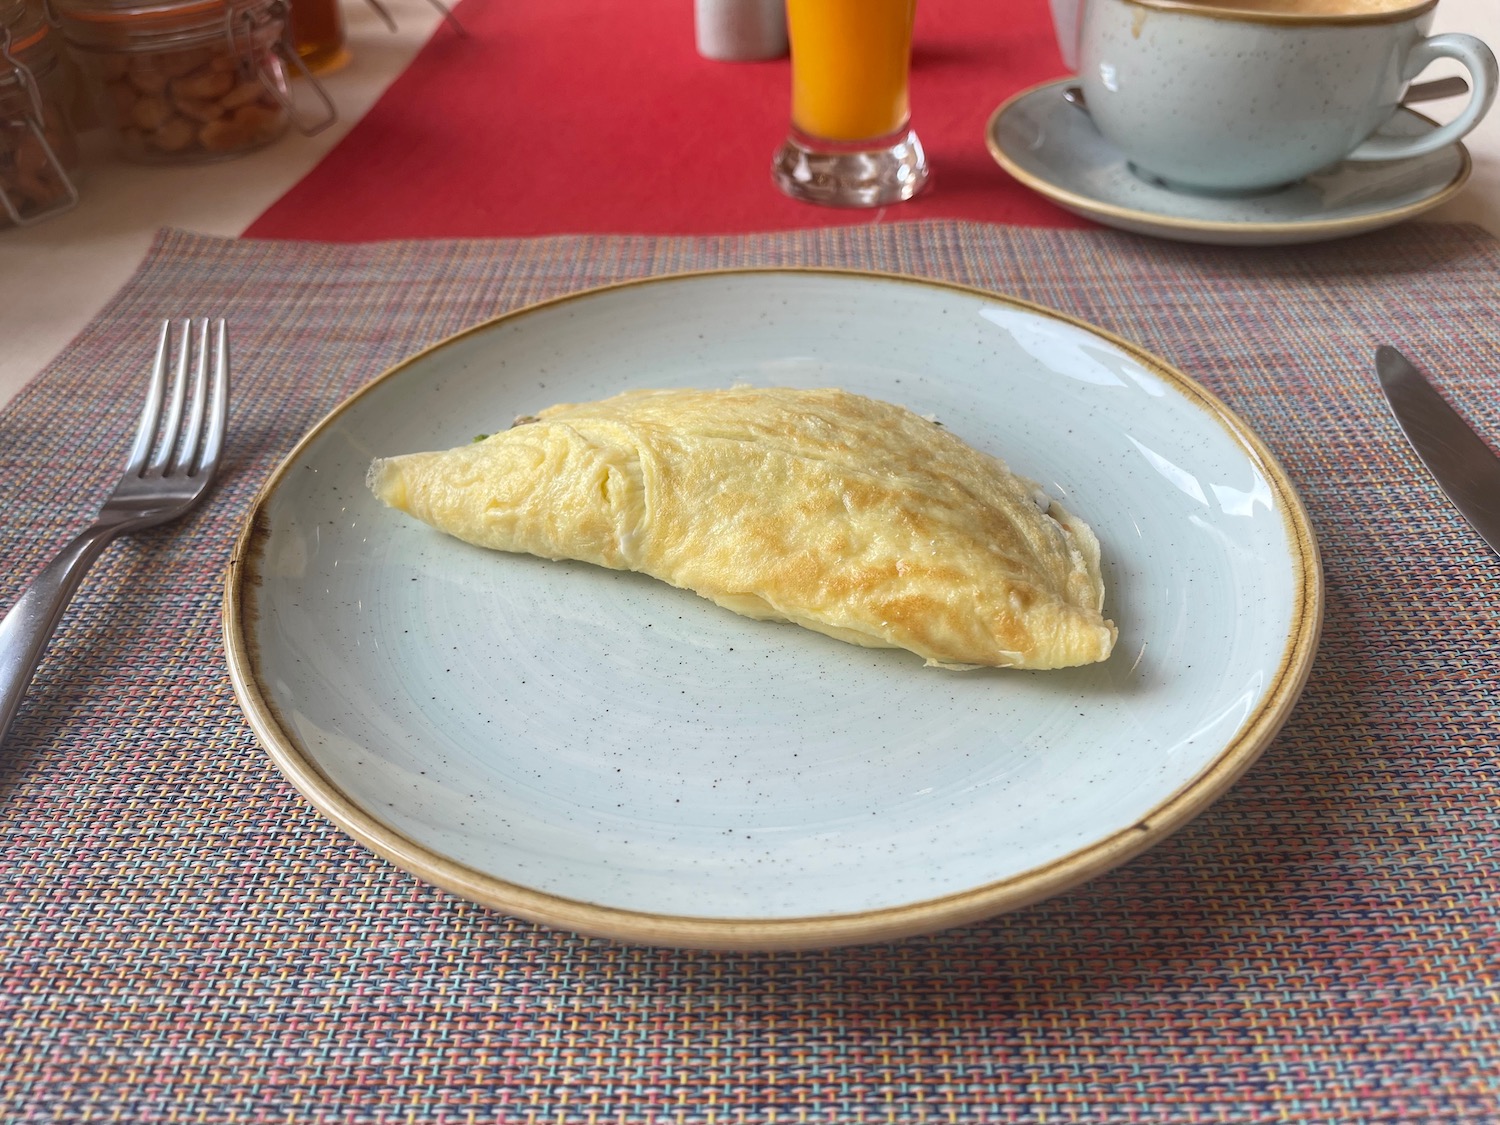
1465 467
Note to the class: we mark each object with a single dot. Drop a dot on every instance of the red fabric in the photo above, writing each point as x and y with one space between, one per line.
577 116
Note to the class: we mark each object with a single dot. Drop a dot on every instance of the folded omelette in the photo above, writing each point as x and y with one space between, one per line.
840 513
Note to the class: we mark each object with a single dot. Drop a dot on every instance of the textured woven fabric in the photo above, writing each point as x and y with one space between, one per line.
184 939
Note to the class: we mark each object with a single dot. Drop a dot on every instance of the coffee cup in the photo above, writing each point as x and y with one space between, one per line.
1243 96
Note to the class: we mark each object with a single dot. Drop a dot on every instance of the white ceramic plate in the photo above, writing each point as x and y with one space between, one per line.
1054 148
601 752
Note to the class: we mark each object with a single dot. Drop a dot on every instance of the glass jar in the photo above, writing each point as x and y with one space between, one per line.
38 151
318 34
187 80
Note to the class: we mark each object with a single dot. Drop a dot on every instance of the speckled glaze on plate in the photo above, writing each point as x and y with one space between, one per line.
601 752
1054 149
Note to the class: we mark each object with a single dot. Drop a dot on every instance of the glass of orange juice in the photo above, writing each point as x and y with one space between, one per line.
850 142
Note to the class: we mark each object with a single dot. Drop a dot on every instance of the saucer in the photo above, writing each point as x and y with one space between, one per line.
1054 148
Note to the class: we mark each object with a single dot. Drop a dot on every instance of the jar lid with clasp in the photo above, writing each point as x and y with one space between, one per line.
38 153
131 25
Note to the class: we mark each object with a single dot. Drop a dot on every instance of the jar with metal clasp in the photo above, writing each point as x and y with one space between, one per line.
38 152
185 81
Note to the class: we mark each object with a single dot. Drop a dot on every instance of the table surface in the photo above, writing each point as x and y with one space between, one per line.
57 275
185 938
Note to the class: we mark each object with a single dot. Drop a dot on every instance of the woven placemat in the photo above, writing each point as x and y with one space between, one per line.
184 939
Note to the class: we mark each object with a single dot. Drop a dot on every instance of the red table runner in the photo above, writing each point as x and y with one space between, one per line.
599 116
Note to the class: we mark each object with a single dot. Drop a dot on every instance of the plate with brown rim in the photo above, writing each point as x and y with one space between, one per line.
597 751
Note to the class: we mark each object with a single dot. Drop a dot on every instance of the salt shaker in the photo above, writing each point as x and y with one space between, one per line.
740 30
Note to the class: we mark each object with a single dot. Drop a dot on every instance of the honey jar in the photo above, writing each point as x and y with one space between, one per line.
188 80
318 34
38 151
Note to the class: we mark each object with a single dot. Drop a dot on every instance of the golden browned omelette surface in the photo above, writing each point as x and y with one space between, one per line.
840 513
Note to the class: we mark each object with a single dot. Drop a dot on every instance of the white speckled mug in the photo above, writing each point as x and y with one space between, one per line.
1237 96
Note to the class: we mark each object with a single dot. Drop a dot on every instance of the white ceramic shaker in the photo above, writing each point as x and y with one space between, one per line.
740 30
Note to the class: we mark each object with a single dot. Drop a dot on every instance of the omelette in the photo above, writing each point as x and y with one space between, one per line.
840 513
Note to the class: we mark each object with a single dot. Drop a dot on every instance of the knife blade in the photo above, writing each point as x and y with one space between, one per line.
1465 467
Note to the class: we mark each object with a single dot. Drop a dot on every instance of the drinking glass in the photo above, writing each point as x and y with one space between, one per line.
850 142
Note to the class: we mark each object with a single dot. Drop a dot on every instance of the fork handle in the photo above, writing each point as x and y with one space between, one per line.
29 625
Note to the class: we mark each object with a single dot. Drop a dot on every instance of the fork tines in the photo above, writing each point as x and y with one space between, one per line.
166 447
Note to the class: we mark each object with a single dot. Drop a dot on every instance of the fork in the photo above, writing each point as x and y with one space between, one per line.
171 464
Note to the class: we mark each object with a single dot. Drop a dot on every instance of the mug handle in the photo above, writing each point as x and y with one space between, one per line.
1484 76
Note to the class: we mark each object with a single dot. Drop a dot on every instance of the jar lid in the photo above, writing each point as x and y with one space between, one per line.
26 26
133 9
108 23
28 40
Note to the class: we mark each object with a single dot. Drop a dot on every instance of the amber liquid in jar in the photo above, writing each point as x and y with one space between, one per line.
318 34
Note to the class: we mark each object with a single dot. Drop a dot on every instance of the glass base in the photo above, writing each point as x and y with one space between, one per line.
868 173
